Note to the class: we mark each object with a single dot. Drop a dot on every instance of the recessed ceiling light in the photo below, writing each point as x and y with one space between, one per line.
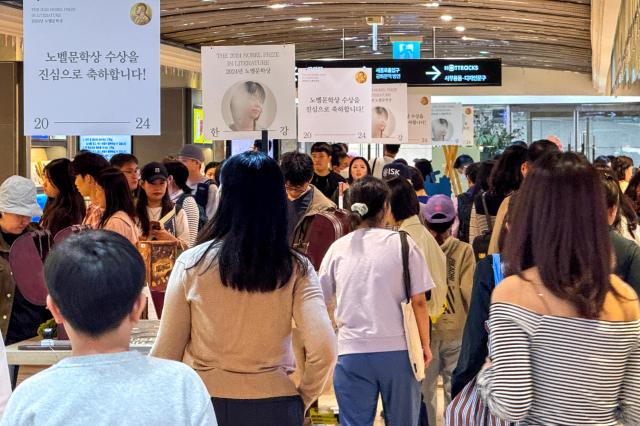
432 4
278 6
446 18
460 29
347 38
377 53
305 19
465 38
483 52
363 46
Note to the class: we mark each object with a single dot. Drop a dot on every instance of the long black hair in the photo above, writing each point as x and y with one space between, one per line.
552 235
143 213
250 226
506 176
366 164
117 194
68 207
180 175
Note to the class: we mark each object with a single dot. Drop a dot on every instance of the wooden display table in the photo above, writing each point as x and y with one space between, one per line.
142 338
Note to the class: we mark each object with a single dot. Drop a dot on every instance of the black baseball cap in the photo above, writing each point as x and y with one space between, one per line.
154 171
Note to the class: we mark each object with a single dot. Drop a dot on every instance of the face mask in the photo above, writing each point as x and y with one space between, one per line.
345 173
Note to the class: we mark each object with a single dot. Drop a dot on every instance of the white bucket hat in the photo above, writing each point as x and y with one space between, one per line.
18 196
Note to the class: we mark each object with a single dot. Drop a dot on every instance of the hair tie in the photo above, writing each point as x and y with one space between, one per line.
360 208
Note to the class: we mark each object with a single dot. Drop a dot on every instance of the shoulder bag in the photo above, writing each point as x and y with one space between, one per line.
411 332
482 241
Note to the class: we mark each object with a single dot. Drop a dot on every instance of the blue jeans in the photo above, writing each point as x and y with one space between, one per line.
360 378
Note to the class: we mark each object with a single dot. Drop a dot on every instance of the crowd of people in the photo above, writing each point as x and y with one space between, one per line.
521 288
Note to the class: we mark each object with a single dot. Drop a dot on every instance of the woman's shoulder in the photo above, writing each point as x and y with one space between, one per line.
626 299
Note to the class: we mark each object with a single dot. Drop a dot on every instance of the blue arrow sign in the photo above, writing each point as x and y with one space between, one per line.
435 73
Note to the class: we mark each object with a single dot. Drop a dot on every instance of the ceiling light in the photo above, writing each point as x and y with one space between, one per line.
377 53
483 52
363 46
347 38
305 19
465 38
446 18
278 6
432 4
460 29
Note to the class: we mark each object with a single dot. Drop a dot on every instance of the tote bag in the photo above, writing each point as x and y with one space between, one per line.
414 344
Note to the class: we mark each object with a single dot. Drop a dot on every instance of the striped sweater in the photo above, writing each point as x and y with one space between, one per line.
549 370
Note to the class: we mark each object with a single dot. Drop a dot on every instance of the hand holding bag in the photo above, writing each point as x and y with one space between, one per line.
411 333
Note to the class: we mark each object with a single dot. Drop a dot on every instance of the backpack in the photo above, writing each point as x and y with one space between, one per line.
317 232
202 217
202 193
482 241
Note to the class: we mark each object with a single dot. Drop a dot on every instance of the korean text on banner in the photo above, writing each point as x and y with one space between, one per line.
419 118
334 105
467 129
446 124
247 89
92 67
389 109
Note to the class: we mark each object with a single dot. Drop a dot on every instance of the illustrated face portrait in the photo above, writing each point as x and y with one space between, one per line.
379 121
440 129
247 104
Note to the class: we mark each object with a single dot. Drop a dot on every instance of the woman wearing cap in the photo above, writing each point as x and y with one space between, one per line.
363 270
65 206
154 204
19 319
114 197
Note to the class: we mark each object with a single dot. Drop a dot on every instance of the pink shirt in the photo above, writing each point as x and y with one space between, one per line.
121 223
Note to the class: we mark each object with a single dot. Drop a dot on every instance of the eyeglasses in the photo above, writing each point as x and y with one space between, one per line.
298 189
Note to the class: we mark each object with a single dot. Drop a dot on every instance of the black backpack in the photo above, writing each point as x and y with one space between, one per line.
202 193
202 220
481 243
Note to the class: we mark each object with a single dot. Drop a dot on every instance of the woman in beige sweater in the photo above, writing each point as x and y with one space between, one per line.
231 300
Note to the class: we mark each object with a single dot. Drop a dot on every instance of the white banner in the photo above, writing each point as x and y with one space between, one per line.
419 118
446 124
248 89
467 126
388 112
91 67
334 105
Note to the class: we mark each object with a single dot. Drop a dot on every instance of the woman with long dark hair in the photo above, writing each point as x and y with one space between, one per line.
230 303
65 206
114 197
364 271
154 204
505 179
358 168
623 168
564 332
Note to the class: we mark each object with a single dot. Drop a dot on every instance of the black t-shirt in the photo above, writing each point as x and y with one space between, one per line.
327 184
297 208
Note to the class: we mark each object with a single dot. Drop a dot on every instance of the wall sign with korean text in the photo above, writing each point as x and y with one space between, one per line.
419 117
247 89
334 105
91 67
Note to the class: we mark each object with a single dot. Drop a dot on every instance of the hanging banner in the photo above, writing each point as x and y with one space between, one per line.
91 67
419 118
247 89
446 124
467 126
334 105
388 110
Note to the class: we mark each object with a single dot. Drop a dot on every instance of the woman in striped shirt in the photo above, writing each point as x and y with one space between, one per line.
564 332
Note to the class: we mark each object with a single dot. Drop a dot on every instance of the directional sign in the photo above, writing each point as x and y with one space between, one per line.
424 72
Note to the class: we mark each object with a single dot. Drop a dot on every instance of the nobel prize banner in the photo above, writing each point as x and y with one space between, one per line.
334 105
446 124
419 118
389 109
91 67
247 89
467 129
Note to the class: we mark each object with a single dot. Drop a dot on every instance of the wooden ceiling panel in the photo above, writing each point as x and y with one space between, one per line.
533 33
